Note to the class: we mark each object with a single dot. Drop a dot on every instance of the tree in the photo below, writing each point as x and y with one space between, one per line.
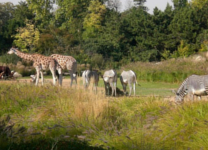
55 40
184 49
161 36
114 4
107 41
70 15
93 20
27 37
199 3
184 25
137 29
140 3
42 10
6 13
179 3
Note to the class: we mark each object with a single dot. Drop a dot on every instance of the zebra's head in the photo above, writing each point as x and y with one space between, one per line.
178 98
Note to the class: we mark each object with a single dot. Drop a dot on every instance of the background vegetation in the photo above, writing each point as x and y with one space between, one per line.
96 31
69 118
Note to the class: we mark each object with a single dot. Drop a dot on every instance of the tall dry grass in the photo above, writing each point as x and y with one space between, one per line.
58 115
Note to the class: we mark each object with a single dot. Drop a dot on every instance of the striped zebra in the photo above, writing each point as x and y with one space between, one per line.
128 78
88 75
193 85
110 80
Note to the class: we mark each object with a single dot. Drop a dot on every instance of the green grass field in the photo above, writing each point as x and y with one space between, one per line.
143 89
48 117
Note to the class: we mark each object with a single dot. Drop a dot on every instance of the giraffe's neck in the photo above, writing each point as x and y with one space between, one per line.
24 55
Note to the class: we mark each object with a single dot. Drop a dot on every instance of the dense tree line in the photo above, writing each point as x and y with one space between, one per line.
95 31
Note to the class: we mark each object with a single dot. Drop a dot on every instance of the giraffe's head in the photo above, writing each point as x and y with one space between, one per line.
12 51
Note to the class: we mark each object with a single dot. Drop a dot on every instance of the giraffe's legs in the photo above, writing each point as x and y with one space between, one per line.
53 67
42 79
38 74
53 72
60 75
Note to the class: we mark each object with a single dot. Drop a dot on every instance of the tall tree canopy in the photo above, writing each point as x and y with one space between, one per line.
96 29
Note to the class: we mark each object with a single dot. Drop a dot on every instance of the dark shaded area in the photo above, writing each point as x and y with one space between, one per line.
48 145
13 139
5 72
119 92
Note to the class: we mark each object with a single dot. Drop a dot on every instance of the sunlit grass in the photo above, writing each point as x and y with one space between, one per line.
58 115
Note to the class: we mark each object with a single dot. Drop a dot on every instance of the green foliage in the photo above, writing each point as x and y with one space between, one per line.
15 17
41 9
202 39
7 59
132 35
93 20
183 25
199 3
179 3
82 58
27 36
6 10
97 61
185 49
165 54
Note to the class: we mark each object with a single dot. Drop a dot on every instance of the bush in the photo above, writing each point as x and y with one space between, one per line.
5 58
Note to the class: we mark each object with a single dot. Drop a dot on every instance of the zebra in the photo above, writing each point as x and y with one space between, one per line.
87 75
193 85
128 77
110 80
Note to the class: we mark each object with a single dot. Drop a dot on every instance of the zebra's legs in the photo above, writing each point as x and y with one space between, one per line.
191 96
115 87
134 87
199 97
130 89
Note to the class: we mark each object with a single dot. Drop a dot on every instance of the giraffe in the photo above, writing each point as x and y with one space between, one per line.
66 62
40 63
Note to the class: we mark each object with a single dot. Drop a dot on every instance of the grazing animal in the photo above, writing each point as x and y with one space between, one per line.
66 62
89 75
110 80
40 63
193 85
128 78
7 72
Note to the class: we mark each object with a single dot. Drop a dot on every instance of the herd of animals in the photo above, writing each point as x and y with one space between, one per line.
194 85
